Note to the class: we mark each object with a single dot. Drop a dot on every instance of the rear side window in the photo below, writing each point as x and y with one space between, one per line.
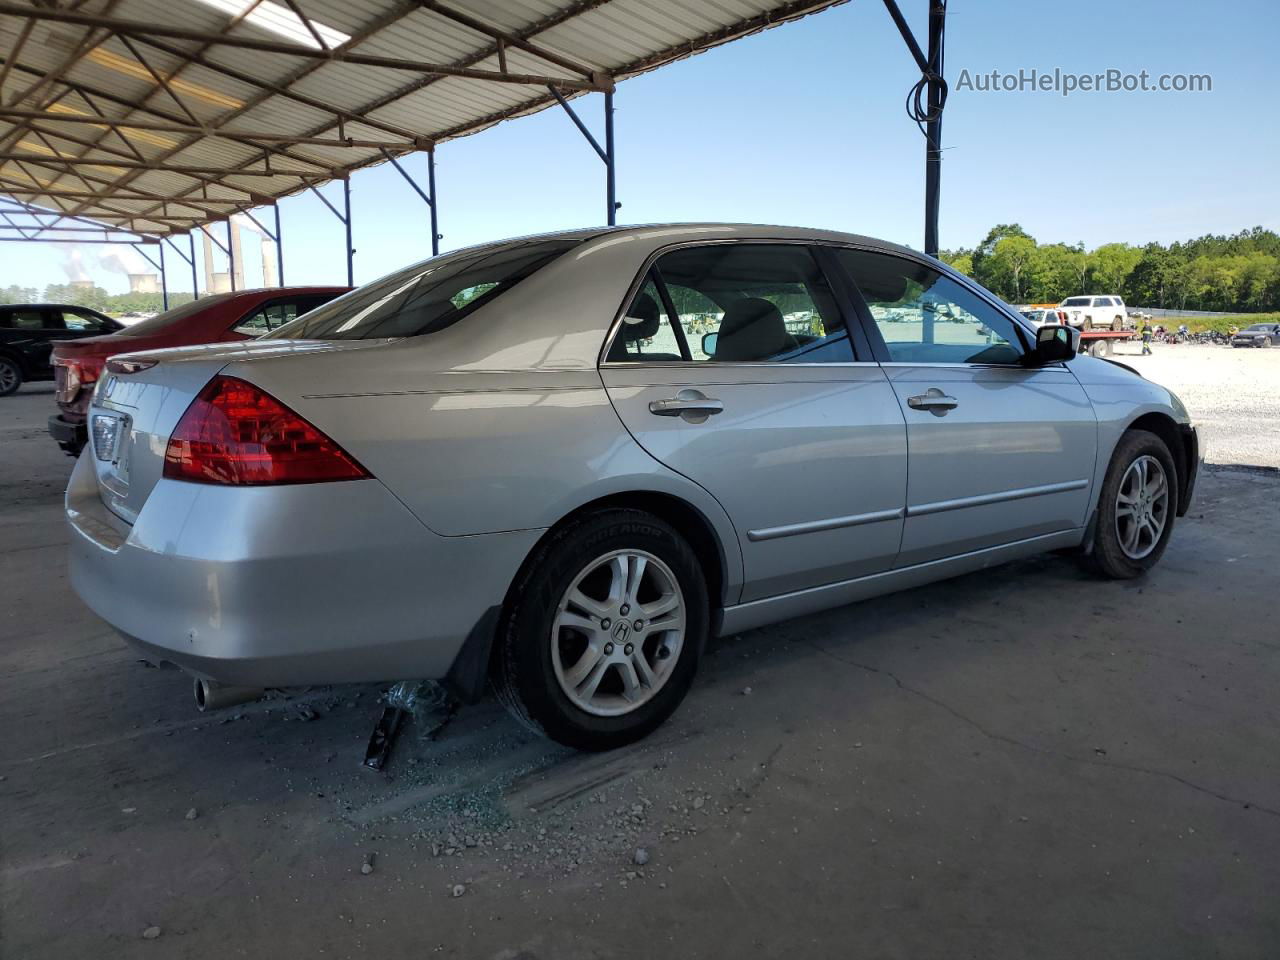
428 296
735 303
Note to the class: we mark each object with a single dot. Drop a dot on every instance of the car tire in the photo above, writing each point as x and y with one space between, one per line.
1117 324
538 668
1087 324
1265 342
10 377
1114 552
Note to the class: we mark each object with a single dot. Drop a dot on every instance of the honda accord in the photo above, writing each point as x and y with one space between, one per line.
560 464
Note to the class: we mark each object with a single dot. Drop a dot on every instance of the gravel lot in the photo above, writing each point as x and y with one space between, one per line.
1233 394
1024 762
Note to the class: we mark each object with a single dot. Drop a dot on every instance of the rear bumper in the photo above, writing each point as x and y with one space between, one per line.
71 435
284 586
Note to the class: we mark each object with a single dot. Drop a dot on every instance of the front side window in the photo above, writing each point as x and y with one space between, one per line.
745 303
926 317
428 296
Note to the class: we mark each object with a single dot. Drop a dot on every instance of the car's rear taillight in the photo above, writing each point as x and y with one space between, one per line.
73 373
235 433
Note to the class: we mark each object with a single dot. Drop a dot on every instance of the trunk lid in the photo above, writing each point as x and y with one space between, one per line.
132 415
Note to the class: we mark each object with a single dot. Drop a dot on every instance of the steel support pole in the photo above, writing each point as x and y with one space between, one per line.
164 281
279 238
231 257
195 274
610 181
346 222
933 128
431 190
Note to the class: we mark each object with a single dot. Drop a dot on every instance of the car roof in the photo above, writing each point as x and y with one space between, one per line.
707 230
41 306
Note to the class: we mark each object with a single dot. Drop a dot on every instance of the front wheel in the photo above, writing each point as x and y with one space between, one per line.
1135 508
603 633
10 377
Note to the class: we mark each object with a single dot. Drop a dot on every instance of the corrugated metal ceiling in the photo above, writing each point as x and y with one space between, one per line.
224 127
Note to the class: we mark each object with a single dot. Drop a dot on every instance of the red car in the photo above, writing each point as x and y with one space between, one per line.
242 315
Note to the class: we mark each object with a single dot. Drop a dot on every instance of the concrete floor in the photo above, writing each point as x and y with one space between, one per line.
1020 763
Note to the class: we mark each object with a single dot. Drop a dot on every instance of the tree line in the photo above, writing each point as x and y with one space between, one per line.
95 298
1237 273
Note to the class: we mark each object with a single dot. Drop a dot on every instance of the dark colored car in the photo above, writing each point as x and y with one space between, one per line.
222 318
1257 335
28 332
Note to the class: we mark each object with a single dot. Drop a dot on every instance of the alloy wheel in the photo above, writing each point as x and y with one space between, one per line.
618 632
1142 507
9 379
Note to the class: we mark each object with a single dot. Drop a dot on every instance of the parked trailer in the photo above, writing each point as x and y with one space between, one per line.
1099 343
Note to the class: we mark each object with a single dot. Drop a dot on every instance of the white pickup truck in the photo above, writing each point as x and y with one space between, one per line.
1096 312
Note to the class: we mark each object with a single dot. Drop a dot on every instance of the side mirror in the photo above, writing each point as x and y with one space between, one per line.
1055 342
709 343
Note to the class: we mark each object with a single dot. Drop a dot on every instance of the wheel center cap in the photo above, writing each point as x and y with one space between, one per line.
622 631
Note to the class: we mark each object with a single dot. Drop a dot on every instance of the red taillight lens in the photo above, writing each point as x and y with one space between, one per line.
90 370
72 374
234 433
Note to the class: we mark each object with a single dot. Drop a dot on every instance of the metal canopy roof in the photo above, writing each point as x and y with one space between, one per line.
157 116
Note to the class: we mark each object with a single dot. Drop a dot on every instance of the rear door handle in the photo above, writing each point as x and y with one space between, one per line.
933 400
693 405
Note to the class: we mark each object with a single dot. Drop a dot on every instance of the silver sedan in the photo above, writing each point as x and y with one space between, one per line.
561 463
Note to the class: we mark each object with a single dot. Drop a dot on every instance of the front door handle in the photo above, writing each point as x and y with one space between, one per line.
933 400
692 405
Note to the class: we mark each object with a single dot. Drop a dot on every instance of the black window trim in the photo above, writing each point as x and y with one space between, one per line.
858 345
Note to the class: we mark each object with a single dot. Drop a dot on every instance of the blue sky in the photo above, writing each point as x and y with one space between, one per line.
805 124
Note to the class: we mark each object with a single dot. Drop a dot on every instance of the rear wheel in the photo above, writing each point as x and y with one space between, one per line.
10 377
604 632
1117 324
1135 508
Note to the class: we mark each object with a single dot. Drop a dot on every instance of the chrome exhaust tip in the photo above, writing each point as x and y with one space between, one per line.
215 696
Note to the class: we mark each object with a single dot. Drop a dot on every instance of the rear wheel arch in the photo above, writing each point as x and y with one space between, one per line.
687 519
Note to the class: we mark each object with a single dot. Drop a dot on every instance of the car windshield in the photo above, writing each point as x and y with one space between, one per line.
163 321
1260 327
1076 302
427 296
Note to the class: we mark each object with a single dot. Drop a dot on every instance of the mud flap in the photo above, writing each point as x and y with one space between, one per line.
469 673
